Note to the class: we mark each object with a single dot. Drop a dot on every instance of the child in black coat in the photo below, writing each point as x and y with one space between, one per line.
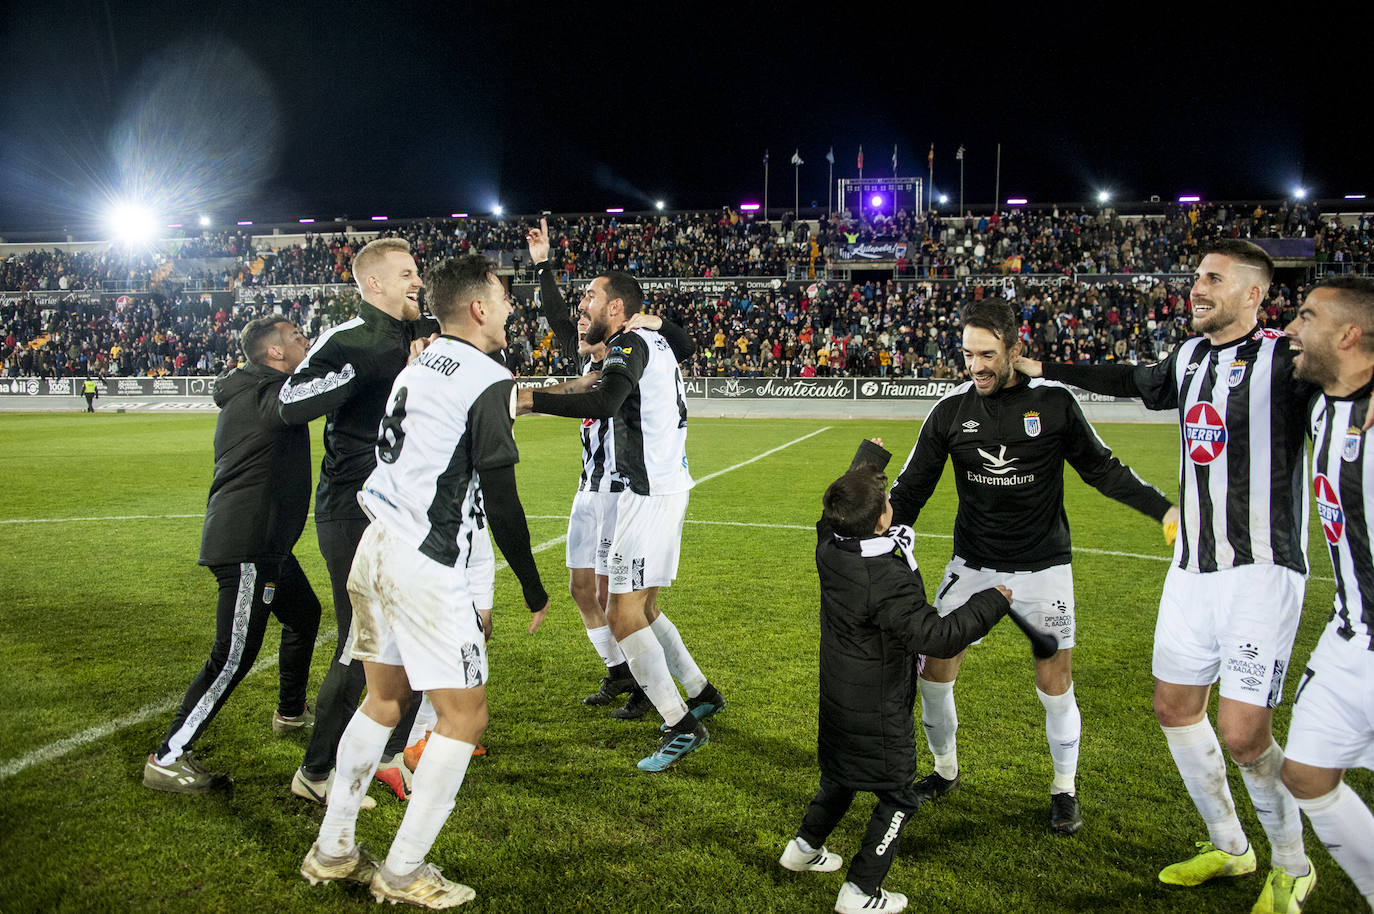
875 625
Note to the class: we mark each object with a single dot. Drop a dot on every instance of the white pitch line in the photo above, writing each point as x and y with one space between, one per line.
763 455
157 708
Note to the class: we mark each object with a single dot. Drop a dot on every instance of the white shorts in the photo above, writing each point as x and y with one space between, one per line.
647 540
481 575
591 524
411 611
1236 625
1044 598
1333 713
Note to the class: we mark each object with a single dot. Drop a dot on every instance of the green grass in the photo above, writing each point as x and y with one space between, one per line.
99 618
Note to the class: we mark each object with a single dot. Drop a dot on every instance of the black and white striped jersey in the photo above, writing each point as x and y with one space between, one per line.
1343 482
598 439
1242 476
651 424
448 420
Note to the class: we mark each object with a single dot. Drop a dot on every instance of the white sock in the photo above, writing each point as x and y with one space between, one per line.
360 749
1276 809
805 847
606 648
1197 753
941 721
437 779
1345 825
1063 729
425 719
675 653
645 656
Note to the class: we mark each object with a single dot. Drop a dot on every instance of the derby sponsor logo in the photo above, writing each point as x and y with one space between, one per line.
1204 433
1329 508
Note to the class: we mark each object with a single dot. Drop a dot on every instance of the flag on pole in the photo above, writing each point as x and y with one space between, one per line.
861 158
960 154
765 157
930 157
796 157
830 156
894 159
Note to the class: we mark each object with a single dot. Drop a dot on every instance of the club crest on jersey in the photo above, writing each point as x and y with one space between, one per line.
269 591
1236 374
1204 433
1350 450
1031 421
1329 508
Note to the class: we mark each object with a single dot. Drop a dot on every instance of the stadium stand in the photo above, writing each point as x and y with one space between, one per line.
1087 283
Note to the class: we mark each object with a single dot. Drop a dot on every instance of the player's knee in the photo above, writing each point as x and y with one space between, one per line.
1244 740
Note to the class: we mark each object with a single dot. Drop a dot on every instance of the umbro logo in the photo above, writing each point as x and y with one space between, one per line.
1191 368
999 464
971 425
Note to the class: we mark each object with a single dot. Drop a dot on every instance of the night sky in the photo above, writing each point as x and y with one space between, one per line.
275 111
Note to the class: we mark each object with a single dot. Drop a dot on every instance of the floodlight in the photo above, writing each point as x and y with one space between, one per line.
659 204
944 198
876 201
305 221
498 210
1354 196
204 221
133 223
749 207
1103 196
615 209
1300 192
1017 201
379 218
1190 198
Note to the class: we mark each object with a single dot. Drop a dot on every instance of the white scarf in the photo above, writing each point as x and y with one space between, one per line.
898 538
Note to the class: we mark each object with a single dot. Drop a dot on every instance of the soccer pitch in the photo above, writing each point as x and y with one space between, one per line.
105 617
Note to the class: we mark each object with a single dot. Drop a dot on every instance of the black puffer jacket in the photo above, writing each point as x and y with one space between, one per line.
874 621
260 494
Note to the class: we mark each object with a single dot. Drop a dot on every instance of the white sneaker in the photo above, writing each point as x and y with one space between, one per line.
318 791
854 900
424 888
799 861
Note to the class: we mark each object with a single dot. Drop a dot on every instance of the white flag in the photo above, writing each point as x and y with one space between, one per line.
796 157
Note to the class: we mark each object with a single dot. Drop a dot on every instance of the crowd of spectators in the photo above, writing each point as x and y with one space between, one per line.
727 244
906 326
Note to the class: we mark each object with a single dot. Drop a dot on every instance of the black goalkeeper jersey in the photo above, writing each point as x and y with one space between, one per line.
1008 451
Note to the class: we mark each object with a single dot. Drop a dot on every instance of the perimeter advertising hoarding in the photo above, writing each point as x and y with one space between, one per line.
828 389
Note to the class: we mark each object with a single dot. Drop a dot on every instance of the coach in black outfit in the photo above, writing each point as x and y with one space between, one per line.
347 377
258 502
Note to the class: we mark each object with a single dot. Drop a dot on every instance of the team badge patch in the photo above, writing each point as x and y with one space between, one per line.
1031 421
1236 374
269 590
1329 508
1204 433
1350 450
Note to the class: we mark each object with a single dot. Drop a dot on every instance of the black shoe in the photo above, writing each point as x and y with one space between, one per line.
1065 817
709 701
638 705
932 787
611 686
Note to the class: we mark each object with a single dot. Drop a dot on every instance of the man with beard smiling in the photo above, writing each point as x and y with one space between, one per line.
1008 438
641 388
1332 728
1232 598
